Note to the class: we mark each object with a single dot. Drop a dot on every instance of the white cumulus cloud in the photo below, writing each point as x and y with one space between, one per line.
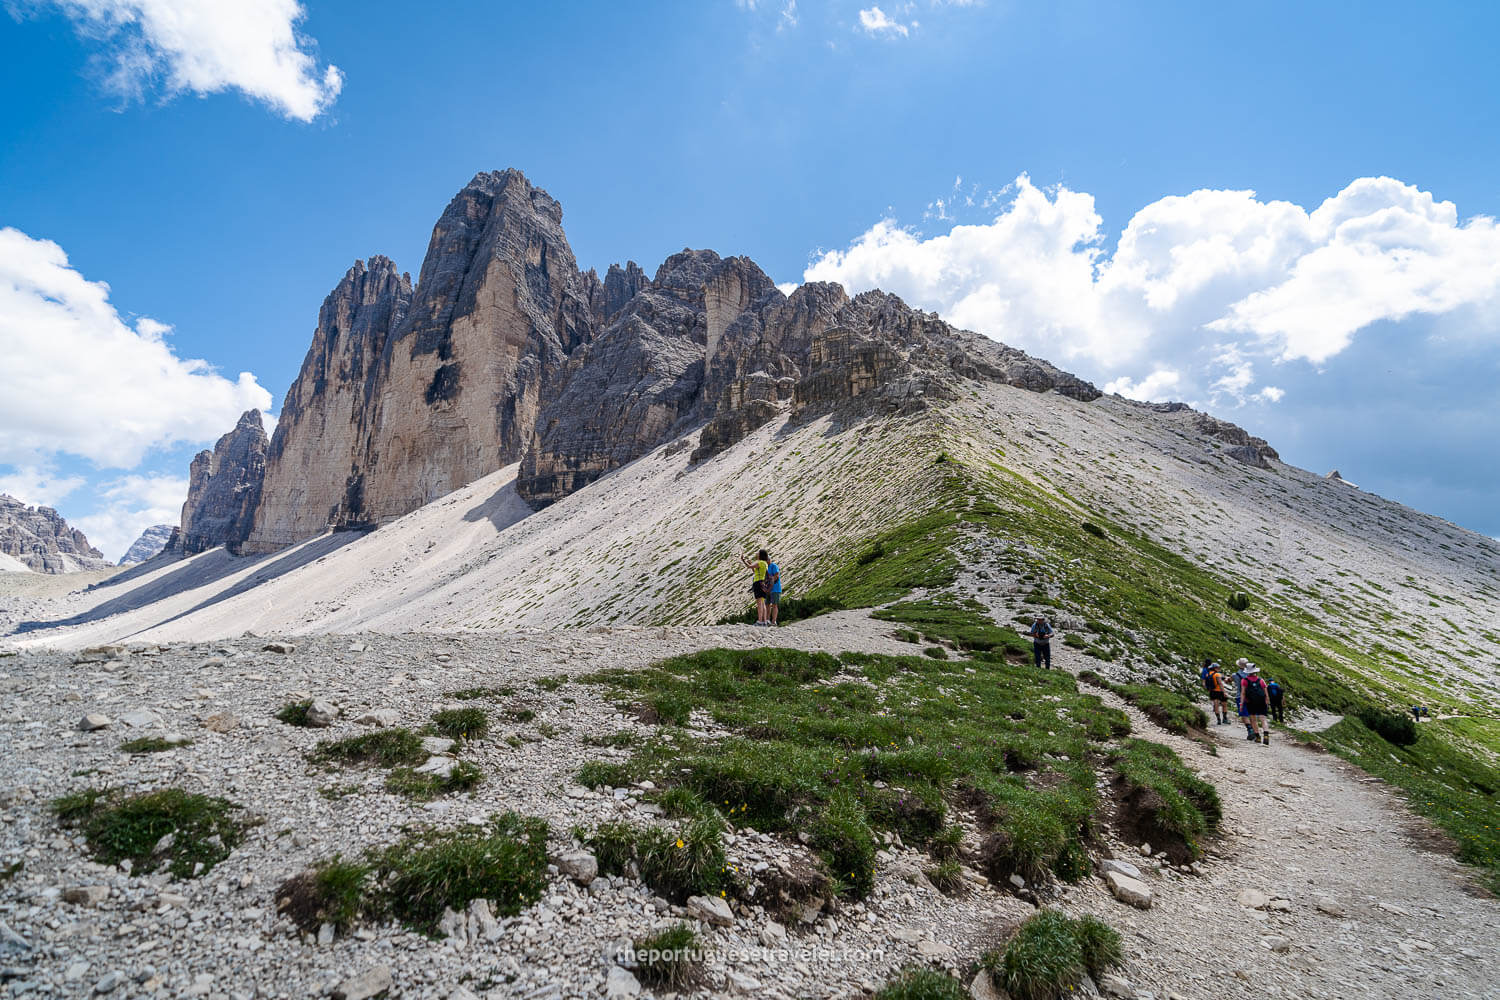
208 46
1211 286
875 21
78 380
128 506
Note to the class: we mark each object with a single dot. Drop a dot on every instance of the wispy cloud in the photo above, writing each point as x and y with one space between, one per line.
205 47
874 21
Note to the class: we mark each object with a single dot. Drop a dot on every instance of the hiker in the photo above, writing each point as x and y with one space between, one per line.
1237 684
758 585
1254 703
773 598
1217 695
1041 641
1208 664
1277 694
1417 711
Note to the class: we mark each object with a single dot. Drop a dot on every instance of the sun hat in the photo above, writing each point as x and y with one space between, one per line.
1251 668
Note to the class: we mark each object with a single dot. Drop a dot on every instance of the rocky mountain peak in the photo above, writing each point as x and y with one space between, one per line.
152 541
224 489
41 540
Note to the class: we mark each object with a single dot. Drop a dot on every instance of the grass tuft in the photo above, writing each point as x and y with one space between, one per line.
1162 801
204 830
461 724
1051 953
406 781
295 713
671 959
151 744
385 747
918 983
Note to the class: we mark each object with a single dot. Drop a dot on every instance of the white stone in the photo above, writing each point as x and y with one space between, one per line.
372 982
936 951
436 744
379 717
86 895
1121 867
711 910
1254 899
93 721
438 767
322 714
982 987
620 983
580 866
1128 890
139 718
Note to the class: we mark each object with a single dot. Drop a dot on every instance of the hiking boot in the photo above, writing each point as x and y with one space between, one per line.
1265 739
1251 737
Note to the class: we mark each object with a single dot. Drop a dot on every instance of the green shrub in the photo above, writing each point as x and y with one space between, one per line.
334 892
1239 601
1092 529
1166 802
936 652
946 876
385 747
461 724
688 863
118 828
670 960
504 861
1050 955
1168 709
1394 727
918 983
295 713
406 781
603 774
151 744
675 864
477 693
847 845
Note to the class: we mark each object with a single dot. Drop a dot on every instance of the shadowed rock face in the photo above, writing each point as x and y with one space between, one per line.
224 490
39 538
506 352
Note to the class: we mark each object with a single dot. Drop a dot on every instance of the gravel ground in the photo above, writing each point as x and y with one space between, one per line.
1302 827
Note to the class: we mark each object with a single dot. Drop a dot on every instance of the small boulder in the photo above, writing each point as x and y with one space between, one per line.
936 951
139 719
710 910
1112 985
98 654
288 648
436 744
1120 867
221 722
1129 890
620 983
322 714
982 987
438 767
86 895
370 983
93 721
1254 899
383 717
1328 906
1276 943
1145 850
580 866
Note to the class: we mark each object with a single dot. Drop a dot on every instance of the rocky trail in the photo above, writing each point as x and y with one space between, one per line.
1318 887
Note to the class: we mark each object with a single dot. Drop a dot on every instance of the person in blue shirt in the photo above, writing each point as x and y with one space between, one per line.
773 599
1041 641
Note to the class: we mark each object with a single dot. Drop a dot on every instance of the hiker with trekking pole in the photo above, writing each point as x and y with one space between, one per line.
1255 702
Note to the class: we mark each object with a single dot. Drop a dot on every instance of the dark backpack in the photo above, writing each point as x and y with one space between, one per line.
1274 690
1255 694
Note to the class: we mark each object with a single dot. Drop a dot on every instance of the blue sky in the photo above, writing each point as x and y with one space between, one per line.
1073 178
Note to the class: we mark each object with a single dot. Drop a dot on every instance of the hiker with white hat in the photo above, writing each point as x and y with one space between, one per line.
1254 703
1237 681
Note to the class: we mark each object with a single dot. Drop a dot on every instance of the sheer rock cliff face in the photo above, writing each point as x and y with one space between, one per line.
319 452
224 490
506 352
42 541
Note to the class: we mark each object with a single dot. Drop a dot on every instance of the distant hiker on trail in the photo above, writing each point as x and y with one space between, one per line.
1255 701
773 599
758 585
1217 694
1237 684
1417 711
1277 694
1041 641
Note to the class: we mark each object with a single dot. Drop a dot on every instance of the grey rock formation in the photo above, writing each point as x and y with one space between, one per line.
318 457
504 351
224 490
39 539
1244 447
150 544
499 306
